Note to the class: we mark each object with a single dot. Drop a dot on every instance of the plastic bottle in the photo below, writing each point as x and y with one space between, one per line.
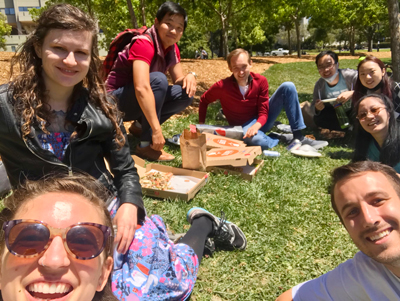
294 145
341 116
268 153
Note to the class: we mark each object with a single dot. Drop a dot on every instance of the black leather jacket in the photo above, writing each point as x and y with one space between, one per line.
26 159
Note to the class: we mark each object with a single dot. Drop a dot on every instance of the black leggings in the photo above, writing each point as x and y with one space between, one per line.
197 235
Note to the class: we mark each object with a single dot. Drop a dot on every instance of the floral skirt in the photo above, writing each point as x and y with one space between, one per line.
154 268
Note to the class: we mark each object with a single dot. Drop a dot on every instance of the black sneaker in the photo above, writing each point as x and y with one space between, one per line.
226 235
209 248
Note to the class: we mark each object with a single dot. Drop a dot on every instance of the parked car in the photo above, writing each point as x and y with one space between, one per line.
267 53
280 51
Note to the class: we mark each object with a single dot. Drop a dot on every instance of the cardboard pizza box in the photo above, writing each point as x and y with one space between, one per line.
213 141
247 172
184 183
234 156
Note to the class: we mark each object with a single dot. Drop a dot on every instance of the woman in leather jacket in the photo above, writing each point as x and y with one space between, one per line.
55 115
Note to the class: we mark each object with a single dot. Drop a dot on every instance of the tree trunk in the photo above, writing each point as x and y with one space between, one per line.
143 11
132 14
225 48
370 41
298 38
289 41
352 40
393 8
221 45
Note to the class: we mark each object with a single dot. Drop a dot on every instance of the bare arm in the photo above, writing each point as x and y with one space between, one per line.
145 98
345 96
286 296
252 130
187 82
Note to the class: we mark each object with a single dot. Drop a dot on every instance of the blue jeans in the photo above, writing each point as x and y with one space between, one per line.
285 97
169 101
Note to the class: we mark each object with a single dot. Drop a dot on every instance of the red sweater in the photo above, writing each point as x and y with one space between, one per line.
237 108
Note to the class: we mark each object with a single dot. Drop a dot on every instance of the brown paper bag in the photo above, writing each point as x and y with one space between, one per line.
193 149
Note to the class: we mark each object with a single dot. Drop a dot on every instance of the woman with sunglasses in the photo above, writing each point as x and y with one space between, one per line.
377 131
56 241
57 238
55 116
373 79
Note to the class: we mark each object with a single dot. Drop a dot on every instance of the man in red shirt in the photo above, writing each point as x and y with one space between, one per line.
245 101
138 80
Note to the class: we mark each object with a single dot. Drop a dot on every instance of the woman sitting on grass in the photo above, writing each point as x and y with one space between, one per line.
373 79
377 131
55 117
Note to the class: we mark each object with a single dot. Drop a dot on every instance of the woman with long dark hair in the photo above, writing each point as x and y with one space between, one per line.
377 131
373 79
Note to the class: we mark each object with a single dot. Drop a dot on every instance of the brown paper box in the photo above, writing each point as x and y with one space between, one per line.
164 194
235 156
213 141
247 172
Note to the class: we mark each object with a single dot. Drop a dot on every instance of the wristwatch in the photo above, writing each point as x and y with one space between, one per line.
194 74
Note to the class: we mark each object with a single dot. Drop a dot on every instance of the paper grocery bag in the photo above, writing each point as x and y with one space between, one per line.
193 149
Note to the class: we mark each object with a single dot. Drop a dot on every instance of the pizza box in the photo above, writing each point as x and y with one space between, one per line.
247 172
184 183
234 156
213 141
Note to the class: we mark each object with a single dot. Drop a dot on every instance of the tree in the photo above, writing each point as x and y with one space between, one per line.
394 20
226 13
5 30
292 12
132 14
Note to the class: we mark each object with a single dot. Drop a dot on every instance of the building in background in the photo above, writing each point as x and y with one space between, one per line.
19 18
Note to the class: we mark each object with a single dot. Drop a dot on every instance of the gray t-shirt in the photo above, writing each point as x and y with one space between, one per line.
359 278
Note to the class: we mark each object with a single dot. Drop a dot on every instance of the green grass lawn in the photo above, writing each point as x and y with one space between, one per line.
293 234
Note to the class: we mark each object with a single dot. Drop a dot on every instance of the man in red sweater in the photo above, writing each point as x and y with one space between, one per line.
245 101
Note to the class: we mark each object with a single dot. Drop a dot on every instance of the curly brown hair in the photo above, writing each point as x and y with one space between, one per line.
28 86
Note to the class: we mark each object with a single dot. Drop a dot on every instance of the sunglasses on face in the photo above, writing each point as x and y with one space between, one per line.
28 238
374 111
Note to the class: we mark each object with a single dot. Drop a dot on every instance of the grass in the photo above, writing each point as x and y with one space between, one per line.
293 234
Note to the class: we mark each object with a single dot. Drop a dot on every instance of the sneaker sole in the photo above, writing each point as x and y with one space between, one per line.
203 212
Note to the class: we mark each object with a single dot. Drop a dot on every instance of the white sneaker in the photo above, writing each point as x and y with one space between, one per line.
284 128
317 144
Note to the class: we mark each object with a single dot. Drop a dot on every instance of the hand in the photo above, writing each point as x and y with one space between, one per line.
158 140
252 130
189 83
345 96
319 105
126 222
